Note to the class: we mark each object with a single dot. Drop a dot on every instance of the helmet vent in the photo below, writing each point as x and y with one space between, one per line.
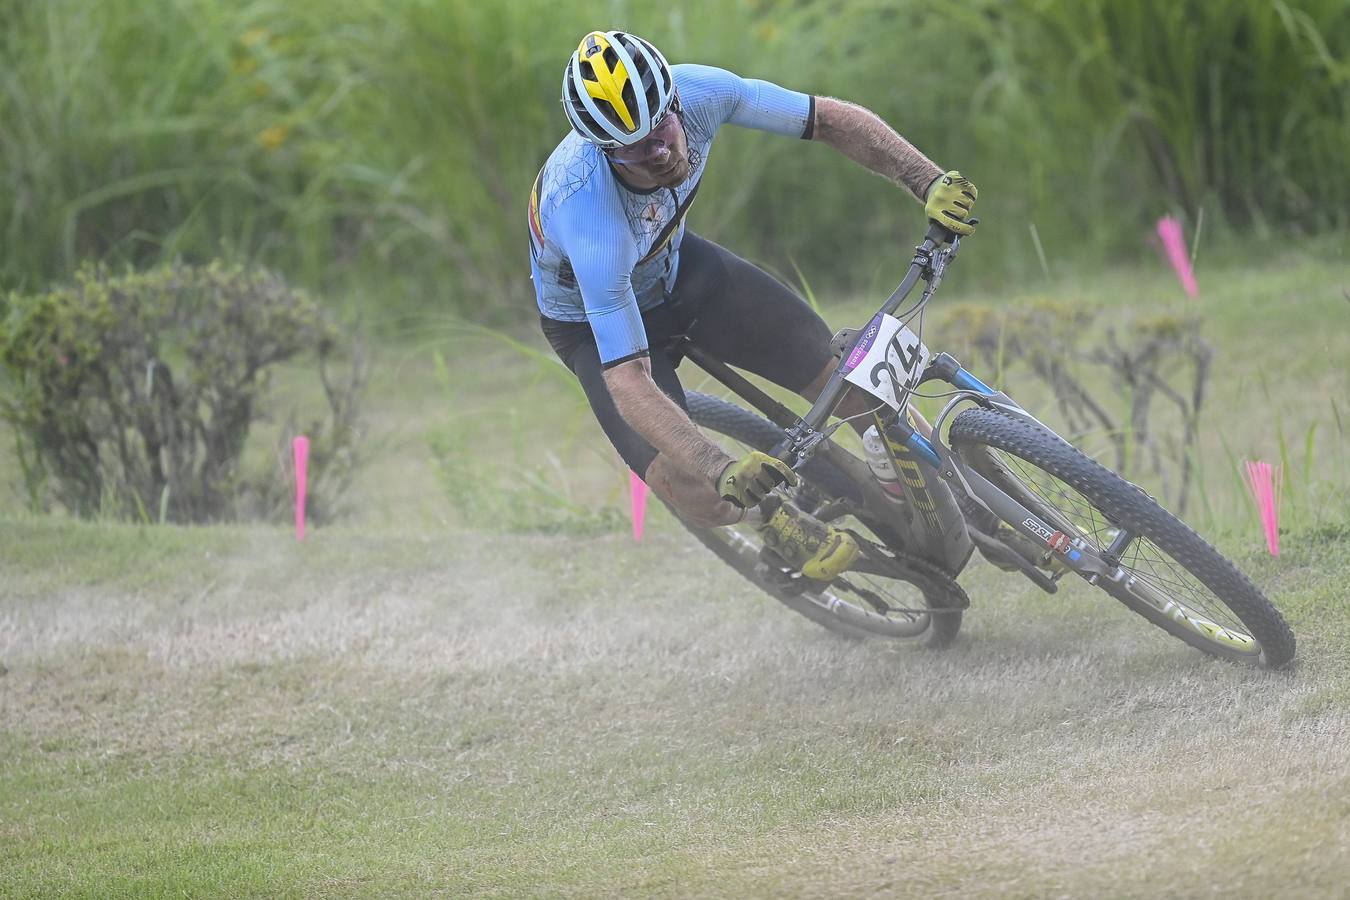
629 95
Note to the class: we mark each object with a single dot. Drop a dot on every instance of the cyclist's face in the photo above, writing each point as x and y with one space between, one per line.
662 157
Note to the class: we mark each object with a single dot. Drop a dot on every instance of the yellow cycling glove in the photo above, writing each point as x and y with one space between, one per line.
749 480
949 202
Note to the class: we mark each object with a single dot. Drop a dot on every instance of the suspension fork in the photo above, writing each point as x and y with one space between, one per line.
1087 562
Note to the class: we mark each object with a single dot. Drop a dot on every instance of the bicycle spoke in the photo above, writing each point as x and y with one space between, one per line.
1079 512
882 604
1144 560
1195 593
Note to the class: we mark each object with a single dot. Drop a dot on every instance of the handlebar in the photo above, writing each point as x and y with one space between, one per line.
937 236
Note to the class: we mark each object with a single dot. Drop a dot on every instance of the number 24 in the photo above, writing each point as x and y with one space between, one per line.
908 358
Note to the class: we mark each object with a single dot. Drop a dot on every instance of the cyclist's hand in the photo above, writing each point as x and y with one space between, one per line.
950 199
748 480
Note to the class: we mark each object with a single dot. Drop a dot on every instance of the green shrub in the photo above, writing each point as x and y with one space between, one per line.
133 395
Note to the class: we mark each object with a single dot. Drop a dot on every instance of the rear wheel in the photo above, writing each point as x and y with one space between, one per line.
898 597
1171 576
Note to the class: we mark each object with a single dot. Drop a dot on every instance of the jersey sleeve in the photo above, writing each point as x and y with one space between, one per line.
724 97
603 255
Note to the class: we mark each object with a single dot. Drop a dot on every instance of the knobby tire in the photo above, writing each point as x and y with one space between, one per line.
1121 502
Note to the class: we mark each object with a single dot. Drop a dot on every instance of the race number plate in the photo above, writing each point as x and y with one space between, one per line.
888 360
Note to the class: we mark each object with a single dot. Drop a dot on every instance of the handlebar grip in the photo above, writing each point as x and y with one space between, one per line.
938 233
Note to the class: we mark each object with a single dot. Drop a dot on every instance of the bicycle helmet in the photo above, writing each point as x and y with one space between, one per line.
616 88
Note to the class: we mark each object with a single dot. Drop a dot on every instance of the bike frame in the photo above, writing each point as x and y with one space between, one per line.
808 435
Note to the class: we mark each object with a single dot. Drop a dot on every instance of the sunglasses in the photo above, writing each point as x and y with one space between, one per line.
662 135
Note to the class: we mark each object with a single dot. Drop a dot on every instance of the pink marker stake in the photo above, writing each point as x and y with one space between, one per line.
1273 512
637 496
1169 230
1266 484
301 447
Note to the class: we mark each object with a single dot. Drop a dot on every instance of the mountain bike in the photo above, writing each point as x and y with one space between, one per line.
999 480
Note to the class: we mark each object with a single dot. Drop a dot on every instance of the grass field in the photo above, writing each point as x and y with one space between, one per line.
412 702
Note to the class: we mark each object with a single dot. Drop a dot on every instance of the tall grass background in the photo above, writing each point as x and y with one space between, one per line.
383 150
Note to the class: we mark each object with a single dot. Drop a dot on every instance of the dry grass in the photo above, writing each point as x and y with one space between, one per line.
404 706
504 716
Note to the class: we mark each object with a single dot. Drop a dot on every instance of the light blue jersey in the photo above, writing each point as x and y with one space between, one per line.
601 252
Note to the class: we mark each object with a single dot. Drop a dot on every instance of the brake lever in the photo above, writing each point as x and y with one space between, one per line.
938 233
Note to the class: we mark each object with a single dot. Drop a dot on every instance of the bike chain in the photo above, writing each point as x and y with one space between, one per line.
917 571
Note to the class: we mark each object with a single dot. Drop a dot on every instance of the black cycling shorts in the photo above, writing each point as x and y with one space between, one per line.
733 310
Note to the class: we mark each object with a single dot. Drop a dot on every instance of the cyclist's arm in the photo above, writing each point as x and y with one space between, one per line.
603 255
714 97
865 138
661 421
717 96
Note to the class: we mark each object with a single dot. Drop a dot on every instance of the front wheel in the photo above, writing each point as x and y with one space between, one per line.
1169 574
914 599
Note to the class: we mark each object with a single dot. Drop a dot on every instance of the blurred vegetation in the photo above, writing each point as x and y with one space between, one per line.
383 150
524 487
1104 370
133 396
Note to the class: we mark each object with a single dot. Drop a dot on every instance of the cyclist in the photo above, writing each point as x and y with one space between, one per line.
618 277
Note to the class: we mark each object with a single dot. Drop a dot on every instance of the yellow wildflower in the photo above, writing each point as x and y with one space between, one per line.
272 137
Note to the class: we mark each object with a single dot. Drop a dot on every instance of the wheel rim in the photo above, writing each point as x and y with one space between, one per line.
1154 578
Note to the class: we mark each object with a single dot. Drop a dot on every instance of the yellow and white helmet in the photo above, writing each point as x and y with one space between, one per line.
616 88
